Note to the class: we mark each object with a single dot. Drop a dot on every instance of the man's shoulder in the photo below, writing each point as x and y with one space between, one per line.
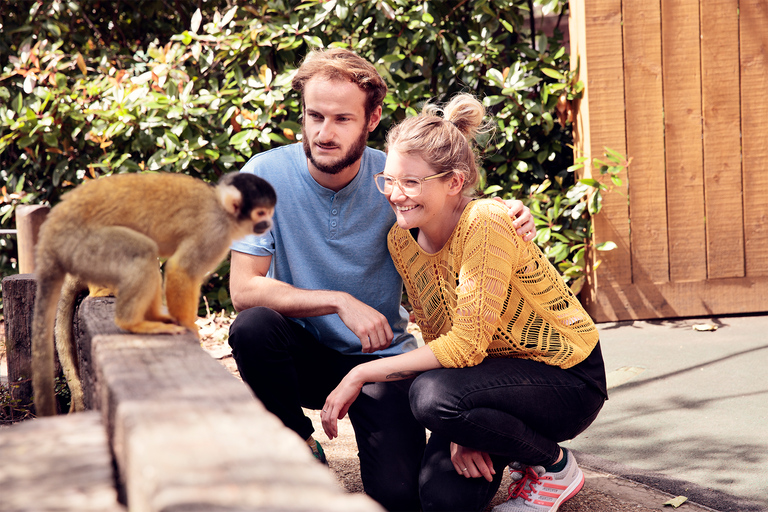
275 159
374 159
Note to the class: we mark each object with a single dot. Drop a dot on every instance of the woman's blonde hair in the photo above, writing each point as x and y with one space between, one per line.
444 137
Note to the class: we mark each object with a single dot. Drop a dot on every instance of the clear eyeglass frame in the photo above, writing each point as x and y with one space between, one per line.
410 186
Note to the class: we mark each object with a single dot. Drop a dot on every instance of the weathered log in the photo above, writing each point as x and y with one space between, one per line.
58 464
187 435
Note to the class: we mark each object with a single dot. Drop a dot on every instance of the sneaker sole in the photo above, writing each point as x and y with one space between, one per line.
570 492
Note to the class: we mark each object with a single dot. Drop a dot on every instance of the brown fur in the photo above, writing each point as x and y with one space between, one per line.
110 233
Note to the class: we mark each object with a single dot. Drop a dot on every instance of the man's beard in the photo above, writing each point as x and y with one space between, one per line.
351 156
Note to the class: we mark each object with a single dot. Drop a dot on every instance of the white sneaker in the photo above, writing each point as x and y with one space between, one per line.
517 470
538 491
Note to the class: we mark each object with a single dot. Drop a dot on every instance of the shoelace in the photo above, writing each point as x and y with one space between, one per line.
529 479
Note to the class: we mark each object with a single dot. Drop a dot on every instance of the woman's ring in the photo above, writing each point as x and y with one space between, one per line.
464 469
323 410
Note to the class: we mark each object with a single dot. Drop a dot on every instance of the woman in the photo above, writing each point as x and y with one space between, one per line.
512 364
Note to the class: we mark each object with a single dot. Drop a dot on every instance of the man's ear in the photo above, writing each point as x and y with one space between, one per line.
375 118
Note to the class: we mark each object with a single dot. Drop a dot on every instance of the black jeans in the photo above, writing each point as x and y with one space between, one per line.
513 409
287 369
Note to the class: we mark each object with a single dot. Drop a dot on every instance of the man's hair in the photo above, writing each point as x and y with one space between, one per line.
341 64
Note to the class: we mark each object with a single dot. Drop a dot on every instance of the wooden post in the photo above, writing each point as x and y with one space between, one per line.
18 303
28 221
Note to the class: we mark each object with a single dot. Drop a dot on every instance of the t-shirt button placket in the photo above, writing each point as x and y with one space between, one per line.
334 220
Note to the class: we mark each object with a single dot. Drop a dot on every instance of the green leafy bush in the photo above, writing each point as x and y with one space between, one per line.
79 99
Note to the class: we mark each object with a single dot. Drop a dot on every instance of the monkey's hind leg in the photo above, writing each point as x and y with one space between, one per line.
139 300
126 262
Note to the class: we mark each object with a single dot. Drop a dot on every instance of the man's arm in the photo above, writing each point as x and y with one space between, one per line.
249 287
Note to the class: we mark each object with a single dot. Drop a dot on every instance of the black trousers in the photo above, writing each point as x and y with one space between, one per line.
513 409
287 369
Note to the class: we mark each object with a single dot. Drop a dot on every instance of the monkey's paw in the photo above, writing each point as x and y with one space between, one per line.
154 328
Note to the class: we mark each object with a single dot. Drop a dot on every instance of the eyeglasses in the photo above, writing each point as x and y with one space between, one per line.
409 185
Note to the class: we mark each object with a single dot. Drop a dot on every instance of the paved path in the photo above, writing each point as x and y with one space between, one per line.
687 405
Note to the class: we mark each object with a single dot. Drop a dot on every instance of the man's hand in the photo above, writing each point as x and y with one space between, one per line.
368 324
523 218
472 463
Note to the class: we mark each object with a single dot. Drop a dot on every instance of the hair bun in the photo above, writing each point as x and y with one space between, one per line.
466 113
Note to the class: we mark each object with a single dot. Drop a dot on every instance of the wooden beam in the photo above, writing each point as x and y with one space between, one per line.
187 435
647 300
61 463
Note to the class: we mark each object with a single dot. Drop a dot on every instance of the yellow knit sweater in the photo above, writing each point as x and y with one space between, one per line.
488 293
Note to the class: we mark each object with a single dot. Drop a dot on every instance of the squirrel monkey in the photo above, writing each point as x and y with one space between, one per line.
110 232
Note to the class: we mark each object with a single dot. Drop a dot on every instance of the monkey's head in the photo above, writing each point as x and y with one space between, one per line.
249 198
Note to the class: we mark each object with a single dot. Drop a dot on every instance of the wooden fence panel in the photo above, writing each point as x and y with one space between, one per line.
753 36
694 239
722 138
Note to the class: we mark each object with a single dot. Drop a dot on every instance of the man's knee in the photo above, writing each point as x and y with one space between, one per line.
393 495
254 328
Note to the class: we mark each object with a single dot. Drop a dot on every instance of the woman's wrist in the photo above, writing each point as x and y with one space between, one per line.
356 376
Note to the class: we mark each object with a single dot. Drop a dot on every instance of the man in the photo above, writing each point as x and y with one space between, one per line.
319 294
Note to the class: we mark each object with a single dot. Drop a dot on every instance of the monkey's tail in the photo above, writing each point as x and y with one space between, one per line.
65 345
43 367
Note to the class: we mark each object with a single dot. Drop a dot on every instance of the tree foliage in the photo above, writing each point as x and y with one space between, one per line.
91 88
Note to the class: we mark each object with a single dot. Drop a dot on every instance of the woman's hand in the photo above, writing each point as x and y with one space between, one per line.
338 403
472 463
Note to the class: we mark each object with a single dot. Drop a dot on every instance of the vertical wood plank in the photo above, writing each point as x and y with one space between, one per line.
722 140
597 43
753 29
682 107
645 141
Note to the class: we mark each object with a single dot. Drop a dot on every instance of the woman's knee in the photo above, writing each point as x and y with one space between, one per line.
430 399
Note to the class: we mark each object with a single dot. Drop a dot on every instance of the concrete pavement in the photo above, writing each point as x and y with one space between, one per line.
687 410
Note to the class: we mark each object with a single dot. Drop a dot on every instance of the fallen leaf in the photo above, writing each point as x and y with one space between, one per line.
704 327
676 502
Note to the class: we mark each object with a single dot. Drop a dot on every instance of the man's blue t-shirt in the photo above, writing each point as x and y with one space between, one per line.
326 240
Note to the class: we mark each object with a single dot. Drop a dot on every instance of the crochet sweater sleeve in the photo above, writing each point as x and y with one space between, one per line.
489 294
